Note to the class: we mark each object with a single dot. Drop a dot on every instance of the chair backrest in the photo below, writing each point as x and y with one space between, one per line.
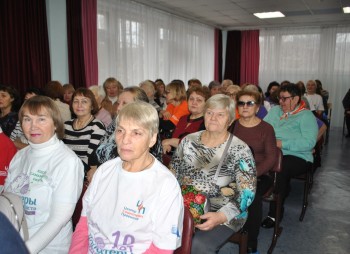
278 164
187 233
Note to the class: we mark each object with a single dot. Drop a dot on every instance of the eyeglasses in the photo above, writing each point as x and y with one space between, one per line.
284 98
248 103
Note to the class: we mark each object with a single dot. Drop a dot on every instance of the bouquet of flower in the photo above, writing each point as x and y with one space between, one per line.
196 201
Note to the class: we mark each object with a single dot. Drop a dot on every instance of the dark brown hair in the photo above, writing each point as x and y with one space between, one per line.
88 94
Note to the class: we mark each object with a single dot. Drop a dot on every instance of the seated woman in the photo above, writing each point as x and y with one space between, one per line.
54 90
149 87
272 87
102 114
107 148
231 91
112 88
189 123
296 133
134 203
260 137
195 163
83 133
262 109
17 135
160 93
68 90
177 107
47 175
9 104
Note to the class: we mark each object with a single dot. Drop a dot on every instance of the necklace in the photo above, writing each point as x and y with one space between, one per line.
147 166
83 125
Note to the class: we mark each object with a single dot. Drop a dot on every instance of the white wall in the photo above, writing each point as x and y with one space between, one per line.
57 30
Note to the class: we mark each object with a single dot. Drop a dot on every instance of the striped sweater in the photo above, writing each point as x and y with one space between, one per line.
84 141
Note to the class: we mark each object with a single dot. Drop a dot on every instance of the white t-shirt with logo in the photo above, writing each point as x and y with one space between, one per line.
315 101
128 211
43 174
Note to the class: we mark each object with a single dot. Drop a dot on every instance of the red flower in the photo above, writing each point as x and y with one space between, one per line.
189 196
187 203
199 199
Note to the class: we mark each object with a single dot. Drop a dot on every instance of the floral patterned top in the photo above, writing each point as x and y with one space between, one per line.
196 164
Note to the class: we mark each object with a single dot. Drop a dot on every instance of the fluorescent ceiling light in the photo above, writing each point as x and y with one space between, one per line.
269 15
346 9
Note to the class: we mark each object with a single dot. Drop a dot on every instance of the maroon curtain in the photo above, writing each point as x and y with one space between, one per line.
218 55
233 56
250 57
24 44
82 42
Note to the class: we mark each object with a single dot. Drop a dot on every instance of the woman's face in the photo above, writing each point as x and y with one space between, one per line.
247 106
38 128
216 120
169 95
231 92
124 99
160 89
82 106
272 89
311 87
287 102
67 96
133 140
112 90
196 103
5 100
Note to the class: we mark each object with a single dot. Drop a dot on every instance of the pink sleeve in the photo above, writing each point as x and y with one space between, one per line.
155 250
80 241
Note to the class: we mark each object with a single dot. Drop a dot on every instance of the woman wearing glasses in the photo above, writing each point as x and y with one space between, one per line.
260 137
296 133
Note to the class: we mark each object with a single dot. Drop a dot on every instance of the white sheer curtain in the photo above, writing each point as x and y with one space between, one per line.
308 53
136 42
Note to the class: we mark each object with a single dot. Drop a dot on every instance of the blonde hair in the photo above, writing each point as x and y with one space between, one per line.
141 113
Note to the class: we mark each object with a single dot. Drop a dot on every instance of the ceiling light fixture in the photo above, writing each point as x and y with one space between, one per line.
346 9
269 15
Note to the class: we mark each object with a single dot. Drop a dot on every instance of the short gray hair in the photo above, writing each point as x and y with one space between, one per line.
142 113
221 101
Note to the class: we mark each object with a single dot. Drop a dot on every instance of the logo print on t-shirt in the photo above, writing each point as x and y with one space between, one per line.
140 207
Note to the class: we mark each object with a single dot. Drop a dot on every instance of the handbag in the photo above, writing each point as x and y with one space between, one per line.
12 207
197 201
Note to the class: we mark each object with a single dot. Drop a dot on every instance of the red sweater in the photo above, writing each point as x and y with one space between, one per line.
7 151
187 126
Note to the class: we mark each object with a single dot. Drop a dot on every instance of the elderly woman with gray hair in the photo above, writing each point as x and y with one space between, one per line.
230 188
134 203
107 148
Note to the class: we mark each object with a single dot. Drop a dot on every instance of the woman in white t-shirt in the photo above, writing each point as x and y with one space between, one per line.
134 203
47 175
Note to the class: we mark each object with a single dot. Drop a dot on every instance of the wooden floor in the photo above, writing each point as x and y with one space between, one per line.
326 226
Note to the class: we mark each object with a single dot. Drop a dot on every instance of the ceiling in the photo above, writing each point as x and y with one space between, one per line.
238 14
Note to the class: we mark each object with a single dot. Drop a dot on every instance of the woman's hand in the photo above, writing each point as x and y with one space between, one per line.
212 220
166 146
279 143
166 115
